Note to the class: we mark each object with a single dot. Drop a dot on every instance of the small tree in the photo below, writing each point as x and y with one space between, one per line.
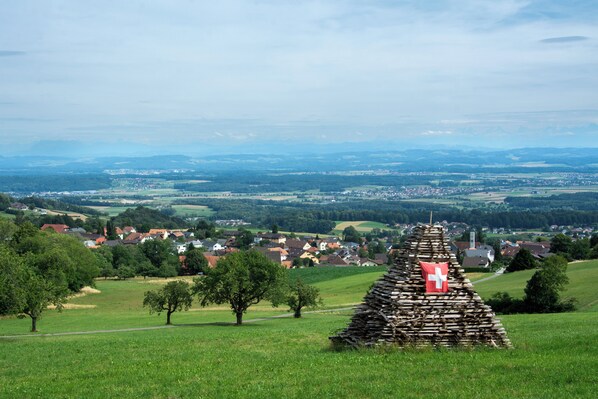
111 230
38 293
125 272
560 243
542 293
523 260
195 262
241 279
174 296
350 234
302 295
580 249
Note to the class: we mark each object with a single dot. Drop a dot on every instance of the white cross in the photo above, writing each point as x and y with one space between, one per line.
438 277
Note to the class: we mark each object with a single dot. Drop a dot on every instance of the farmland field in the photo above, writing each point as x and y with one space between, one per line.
362 226
112 210
555 355
192 210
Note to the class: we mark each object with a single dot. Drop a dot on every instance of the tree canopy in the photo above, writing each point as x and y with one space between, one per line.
523 260
174 296
241 279
542 293
302 295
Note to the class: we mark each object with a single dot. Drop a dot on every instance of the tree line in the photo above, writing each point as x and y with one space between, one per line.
320 218
38 269
241 280
64 182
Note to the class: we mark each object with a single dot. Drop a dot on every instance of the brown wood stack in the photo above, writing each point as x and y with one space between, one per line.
397 310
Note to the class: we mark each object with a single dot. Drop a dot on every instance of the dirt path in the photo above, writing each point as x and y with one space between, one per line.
495 275
60 334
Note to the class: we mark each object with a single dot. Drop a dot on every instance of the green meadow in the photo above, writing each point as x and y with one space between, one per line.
205 356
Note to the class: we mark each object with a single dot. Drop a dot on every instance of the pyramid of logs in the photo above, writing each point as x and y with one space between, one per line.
399 310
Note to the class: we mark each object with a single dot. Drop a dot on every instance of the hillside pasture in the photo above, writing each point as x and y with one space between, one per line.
204 355
582 284
192 211
112 211
362 226
73 215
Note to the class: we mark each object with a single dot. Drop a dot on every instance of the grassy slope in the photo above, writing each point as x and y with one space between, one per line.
362 226
556 355
318 274
582 280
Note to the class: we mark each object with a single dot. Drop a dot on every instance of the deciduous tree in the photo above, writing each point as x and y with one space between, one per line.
560 243
302 295
523 260
174 296
542 293
195 262
241 279
38 293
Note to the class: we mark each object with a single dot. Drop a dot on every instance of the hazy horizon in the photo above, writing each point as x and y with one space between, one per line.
145 78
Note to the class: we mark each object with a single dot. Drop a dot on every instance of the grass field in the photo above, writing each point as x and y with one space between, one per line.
583 277
112 210
192 210
7 215
555 355
362 226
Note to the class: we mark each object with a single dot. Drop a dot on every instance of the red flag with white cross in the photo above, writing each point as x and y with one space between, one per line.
436 276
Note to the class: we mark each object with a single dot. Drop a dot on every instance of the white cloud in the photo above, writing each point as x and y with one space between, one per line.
387 68
437 133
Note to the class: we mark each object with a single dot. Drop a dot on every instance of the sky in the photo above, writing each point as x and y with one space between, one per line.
283 76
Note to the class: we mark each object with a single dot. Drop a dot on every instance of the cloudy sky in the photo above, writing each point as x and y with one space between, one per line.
294 74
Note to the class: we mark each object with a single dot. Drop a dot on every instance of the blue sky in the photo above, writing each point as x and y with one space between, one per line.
286 75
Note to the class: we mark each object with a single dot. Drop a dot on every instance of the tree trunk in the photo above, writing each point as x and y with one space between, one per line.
239 318
297 314
168 317
33 324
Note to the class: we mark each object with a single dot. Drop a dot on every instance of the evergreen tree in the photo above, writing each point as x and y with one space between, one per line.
523 260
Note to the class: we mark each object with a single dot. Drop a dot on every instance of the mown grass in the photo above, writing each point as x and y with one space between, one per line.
582 284
555 355
311 275
362 226
192 210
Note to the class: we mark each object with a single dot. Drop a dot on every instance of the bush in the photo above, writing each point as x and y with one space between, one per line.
502 302
542 293
523 260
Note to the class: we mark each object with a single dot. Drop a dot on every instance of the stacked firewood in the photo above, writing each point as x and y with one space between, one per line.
398 310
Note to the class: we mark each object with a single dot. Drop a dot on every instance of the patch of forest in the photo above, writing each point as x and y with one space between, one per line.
46 203
585 201
144 219
54 183
268 183
320 218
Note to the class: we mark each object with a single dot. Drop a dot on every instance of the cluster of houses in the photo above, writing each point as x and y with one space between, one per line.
477 255
277 247
293 251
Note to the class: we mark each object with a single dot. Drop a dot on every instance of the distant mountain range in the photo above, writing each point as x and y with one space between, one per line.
414 160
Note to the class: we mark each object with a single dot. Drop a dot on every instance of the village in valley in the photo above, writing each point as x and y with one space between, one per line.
348 249
299 199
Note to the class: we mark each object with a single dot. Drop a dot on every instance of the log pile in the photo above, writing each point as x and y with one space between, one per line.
397 310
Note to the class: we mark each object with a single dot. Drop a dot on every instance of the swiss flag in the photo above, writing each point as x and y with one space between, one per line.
436 276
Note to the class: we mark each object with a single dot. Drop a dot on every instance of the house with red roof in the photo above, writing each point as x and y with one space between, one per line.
58 228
